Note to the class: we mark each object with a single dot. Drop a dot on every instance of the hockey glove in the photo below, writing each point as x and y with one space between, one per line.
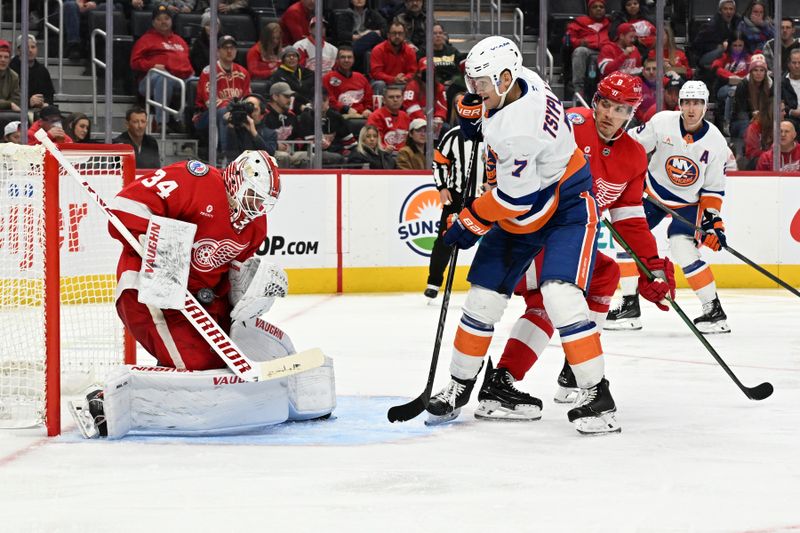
465 229
664 283
470 109
715 230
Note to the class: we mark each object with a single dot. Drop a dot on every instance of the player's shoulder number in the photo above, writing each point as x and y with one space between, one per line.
163 187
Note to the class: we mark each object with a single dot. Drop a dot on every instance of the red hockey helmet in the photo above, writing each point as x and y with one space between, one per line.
621 88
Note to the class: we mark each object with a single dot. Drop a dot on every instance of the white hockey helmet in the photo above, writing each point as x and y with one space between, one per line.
253 183
694 90
491 57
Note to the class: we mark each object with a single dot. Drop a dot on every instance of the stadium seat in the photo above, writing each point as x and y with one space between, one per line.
241 27
141 21
567 9
97 19
704 9
260 87
264 7
263 20
187 25
241 56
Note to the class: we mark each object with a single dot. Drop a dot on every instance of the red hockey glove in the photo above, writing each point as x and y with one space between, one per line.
715 230
663 284
465 229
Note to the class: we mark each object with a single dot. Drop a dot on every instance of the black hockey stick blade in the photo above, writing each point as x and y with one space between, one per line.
407 411
760 392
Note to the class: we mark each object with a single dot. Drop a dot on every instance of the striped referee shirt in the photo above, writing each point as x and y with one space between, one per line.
450 162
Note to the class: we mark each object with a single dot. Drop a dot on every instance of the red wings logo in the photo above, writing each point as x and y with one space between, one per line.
208 254
682 171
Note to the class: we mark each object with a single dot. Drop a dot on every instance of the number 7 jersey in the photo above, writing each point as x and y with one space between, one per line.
685 168
194 192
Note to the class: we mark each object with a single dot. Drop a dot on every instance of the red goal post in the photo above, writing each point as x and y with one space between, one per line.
59 331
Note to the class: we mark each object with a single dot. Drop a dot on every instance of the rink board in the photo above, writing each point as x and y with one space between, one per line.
371 231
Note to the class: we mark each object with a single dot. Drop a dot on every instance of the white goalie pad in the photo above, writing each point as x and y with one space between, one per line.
166 401
165 264
254 286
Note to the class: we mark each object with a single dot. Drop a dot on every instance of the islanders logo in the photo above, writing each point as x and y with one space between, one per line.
419 219
682 171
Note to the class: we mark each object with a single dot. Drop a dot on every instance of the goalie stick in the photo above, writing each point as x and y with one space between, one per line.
770 275
758 392
412 409
223 346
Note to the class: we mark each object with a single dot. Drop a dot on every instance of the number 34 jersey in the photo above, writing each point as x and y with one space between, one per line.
193 192
685 168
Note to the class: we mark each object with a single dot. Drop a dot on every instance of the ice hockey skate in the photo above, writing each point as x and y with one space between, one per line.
431 292
446 405
89 416
501 400
713 319
625 317
595 411
568 390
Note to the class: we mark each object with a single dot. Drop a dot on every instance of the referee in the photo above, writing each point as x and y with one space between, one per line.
450 165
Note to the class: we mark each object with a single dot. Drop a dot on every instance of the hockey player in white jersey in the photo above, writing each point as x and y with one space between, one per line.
541 199
689 159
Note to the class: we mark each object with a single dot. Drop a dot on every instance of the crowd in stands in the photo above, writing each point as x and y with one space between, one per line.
374 75
732 53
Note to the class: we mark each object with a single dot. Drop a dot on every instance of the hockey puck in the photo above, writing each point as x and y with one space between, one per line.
205 296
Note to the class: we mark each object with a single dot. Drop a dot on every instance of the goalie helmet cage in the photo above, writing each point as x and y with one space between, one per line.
59 330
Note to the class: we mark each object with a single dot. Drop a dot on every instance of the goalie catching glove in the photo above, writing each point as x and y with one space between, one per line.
715 230
254 286
661 285
465 229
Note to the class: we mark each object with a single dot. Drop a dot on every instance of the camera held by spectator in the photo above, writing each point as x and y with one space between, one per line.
247 130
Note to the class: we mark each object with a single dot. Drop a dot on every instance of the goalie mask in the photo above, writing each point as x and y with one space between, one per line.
253 185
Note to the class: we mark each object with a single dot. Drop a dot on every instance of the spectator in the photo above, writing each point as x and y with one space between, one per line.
40 85
337 139
263 58
368 152
79 128
414 100
752 94
791 87
282 119
636 13
361 27
200 52
299 79
247 129
50 120
11 133
788 43
712 39
756 27
9 80
174 6
392 122
233 81
621 55
672 87
757 137
393 61
412 155
228 7
730 69
649 73
350 91
413 18
295 21
74 11
161 49
790 151
144 146
446 58
675 61
586 35
307 48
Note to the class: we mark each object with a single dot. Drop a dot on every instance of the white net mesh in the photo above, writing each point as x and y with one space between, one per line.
90 332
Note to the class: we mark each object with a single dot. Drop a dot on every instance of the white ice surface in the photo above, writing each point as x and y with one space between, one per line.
694 454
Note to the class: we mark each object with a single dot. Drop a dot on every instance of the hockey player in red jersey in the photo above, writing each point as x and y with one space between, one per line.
618 165
229 210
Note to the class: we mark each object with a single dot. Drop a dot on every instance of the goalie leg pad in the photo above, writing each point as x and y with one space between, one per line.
312 394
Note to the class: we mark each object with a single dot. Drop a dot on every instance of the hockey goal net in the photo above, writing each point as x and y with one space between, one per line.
59 331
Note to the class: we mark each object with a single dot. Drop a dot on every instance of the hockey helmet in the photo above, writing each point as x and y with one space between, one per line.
624 90
490 58
253 184
694 90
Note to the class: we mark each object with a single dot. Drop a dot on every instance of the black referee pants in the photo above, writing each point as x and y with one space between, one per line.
440 255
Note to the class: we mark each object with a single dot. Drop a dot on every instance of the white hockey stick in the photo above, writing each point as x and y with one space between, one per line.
237 361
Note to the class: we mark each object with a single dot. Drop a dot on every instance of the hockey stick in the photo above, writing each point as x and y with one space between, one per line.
758 392
412 409
727 248
196 314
